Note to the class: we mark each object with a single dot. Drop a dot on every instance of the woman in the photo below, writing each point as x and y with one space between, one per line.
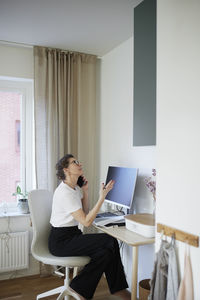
70 207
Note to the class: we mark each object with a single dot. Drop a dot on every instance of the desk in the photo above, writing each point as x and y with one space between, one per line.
134 240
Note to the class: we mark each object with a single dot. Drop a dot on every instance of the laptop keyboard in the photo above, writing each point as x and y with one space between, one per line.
106 215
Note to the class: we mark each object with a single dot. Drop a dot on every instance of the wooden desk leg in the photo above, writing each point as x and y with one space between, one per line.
134 274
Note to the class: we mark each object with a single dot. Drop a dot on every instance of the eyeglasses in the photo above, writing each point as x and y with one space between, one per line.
76 162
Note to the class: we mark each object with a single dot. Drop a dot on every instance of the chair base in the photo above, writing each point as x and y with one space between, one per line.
65 295
51 292
62 290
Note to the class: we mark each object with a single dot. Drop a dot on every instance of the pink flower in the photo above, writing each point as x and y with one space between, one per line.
151 184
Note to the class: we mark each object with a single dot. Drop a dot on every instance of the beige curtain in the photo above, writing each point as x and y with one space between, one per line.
65 113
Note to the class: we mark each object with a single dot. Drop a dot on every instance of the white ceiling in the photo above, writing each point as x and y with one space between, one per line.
89 26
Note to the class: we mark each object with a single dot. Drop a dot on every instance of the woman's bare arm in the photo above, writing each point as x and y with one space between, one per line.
87 219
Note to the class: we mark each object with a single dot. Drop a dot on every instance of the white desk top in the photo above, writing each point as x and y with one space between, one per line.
129 237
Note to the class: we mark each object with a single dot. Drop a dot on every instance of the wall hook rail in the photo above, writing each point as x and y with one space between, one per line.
179 235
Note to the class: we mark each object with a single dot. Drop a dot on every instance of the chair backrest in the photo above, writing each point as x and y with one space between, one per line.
40 205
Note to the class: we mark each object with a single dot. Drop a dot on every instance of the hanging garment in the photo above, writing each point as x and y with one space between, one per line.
164 283
186 287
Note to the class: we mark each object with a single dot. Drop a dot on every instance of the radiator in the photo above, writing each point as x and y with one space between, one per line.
14 251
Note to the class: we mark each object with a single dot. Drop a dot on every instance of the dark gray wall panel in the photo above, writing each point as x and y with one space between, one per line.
144 127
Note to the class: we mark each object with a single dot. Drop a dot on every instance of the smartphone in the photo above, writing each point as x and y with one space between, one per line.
80 181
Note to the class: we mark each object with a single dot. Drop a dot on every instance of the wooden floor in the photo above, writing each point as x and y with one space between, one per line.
27 288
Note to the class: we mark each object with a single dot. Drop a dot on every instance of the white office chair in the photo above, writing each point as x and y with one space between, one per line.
40 204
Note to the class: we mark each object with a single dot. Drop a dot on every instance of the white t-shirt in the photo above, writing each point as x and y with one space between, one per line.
65 201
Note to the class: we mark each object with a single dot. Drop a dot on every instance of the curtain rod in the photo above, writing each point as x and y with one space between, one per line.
15 44
31 46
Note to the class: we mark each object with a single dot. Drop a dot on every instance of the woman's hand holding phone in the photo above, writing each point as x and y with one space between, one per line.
83 183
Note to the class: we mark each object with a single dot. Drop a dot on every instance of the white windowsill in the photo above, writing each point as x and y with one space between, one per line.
13 214
10 209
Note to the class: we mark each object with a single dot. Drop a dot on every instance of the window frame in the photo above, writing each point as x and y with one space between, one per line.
27 161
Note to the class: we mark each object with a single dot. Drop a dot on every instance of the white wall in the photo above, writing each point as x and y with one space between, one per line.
178 121
17 62
116 137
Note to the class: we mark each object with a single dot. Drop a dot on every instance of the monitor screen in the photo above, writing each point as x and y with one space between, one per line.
124 187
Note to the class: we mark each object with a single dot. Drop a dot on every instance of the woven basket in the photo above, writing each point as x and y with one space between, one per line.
144 289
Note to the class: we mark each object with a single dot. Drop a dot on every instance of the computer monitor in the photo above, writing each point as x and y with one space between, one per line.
124 187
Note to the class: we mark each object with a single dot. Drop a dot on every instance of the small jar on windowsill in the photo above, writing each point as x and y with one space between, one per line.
22 200
23 206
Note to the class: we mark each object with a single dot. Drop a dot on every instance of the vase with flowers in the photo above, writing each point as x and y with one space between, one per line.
150 183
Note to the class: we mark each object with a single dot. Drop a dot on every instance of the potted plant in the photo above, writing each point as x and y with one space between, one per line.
22 200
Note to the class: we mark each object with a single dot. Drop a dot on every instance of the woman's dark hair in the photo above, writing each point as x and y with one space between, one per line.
61 164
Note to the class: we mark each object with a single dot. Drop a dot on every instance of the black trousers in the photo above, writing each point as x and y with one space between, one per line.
103 251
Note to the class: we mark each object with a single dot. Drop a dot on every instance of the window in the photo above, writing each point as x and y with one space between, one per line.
16 135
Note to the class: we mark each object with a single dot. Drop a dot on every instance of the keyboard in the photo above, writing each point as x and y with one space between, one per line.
107 214
112 219
119 224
